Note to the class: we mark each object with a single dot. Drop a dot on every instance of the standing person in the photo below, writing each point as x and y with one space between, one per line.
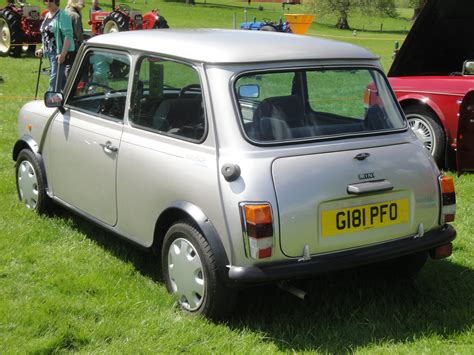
57 40
95 7
73 9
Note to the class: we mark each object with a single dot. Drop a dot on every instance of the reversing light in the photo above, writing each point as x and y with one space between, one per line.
257 222
448 199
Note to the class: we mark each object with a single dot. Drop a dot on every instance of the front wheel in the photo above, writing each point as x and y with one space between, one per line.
427 129
191 274
31 182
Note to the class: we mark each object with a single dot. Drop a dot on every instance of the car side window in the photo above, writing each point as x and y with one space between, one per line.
101 84
167 98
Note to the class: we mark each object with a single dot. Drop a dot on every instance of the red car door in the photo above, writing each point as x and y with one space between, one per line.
465 144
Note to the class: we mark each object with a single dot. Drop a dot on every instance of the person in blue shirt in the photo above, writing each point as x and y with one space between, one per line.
57 41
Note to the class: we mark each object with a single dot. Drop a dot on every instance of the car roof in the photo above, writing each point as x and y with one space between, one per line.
232 46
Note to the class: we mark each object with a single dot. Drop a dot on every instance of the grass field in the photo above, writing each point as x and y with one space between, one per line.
68 286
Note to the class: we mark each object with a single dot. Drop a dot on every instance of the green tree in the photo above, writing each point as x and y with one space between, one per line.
417 5
343 8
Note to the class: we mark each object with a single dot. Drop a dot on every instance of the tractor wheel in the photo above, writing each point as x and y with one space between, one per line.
268 28
116 22
11 34
161 23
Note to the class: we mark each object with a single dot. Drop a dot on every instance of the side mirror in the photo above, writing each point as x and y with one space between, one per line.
468 67
54 100
249 91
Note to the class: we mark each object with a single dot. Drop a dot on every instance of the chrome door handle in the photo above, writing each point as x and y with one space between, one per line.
109 147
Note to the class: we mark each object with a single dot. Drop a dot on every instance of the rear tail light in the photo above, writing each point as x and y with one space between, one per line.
371 96
448 199
257 222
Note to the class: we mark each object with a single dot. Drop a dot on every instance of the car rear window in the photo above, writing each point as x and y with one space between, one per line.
315 103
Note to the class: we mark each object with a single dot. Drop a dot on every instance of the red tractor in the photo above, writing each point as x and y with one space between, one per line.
123 18
19 28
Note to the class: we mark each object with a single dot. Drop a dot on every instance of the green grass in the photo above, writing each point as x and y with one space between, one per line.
66 285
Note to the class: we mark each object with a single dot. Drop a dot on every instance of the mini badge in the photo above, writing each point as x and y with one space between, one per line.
366 176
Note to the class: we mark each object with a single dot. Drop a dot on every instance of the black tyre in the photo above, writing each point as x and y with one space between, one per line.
403 267
426 126
190 273
31 182
268 28
11 35
30 49
161 23
116 22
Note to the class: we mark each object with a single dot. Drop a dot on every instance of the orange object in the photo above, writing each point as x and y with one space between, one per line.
299 23
447 184
258 214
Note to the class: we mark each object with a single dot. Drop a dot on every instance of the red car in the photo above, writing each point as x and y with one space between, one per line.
433 78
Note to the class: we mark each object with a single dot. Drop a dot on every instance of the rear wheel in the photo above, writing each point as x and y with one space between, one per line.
31 182
427 128
11 35
191 275
116 22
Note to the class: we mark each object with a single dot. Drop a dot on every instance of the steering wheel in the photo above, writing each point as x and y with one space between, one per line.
94 84
124 8
188 88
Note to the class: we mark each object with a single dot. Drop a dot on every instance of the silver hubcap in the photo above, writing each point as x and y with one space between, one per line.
423 131
186 274
27 184
4 36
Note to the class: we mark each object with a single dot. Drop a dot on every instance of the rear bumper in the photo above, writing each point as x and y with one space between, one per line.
341 260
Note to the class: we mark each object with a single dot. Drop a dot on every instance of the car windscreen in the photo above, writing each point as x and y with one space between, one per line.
303 104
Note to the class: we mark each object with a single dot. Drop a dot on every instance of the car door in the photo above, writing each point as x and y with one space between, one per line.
84 141
465 139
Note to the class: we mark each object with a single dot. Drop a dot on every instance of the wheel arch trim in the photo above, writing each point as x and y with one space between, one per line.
28 142
178 210
424 101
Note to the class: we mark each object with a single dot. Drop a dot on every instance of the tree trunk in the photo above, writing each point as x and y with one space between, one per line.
342 23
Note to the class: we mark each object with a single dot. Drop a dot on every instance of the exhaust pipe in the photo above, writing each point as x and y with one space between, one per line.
295 291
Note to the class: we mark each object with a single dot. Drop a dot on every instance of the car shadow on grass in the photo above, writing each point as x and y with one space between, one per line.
348 310
343 311
141 258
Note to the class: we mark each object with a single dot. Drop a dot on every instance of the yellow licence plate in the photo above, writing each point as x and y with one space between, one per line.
359 218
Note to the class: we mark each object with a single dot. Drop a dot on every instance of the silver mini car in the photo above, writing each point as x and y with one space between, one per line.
239 157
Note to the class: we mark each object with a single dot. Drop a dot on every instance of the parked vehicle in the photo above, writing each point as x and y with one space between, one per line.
19 28
431 82
238 157
123 18
266 25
